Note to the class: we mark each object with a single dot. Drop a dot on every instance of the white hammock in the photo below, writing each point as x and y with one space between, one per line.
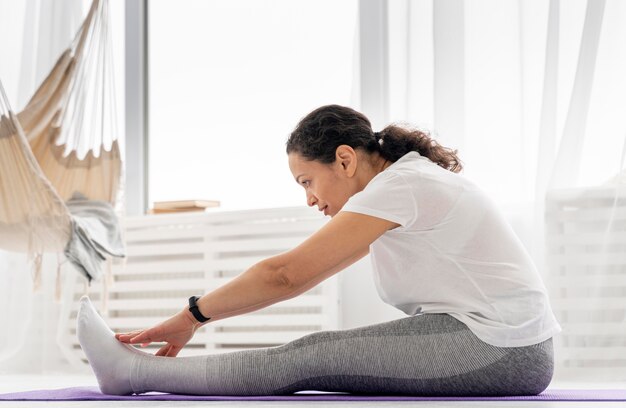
63 142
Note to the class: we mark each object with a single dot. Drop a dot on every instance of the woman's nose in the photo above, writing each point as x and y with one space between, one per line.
311 200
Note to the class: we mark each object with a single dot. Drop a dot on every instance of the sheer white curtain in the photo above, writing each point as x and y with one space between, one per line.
33 34
532 93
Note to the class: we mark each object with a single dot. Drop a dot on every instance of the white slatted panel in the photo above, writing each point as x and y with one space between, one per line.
174 256
587 279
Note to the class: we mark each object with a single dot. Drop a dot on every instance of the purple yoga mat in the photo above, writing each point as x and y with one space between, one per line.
93 393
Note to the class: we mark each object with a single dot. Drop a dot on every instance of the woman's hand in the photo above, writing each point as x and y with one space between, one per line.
175 331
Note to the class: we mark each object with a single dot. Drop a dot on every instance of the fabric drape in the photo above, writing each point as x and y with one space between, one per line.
542 102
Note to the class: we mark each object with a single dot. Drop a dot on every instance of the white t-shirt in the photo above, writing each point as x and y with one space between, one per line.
453 253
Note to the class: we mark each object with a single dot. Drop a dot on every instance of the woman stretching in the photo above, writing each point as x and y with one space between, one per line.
479 319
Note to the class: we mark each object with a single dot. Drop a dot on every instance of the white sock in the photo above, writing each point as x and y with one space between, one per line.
110 359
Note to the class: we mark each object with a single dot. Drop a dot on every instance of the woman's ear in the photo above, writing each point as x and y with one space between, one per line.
346 158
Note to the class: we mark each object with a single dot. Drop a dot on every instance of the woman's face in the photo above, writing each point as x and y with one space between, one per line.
327 186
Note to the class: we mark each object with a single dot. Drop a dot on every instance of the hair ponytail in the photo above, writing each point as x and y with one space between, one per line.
396 141
318 134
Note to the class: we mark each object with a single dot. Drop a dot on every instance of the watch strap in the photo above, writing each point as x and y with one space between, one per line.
193 308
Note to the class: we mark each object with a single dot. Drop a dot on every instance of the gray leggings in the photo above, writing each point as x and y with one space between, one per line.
430 354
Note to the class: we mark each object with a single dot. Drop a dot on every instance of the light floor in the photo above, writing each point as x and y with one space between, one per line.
15 383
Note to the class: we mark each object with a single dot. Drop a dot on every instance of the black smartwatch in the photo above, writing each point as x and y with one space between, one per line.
193 308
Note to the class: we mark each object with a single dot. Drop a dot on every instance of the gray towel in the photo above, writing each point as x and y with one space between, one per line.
95 234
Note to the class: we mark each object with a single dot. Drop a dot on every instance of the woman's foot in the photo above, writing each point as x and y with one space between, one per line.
110 360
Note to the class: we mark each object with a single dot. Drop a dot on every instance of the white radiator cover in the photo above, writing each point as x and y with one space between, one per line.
173 256
587 280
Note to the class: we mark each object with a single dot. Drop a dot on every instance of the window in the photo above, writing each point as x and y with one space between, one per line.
228 81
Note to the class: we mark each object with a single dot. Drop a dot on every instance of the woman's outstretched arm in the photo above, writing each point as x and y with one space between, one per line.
339 243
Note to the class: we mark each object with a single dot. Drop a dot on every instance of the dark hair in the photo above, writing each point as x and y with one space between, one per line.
318 134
